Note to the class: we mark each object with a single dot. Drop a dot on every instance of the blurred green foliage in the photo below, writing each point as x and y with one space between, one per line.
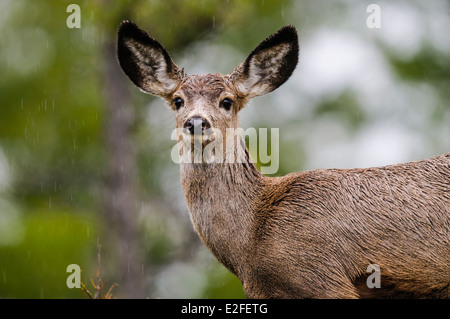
36 267
222 284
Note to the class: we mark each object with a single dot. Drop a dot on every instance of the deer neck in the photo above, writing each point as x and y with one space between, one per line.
221 198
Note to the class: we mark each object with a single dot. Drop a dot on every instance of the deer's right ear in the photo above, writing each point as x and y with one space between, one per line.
145 61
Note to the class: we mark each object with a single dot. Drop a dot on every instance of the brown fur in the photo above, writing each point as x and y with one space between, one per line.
308 234
313 234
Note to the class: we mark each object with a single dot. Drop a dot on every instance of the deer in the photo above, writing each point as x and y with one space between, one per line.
308 234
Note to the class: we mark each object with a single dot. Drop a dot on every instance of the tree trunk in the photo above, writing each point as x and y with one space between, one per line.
120 200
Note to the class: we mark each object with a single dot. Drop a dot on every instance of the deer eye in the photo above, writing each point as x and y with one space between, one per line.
227 103
178 102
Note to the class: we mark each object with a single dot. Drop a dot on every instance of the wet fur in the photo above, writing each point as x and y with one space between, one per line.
308 234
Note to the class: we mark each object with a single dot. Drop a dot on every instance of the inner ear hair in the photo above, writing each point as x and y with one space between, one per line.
146 62
269 65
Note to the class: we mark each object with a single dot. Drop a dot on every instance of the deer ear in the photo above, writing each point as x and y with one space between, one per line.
269 65
145 61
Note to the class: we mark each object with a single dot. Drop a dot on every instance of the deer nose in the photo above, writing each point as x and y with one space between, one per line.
196 125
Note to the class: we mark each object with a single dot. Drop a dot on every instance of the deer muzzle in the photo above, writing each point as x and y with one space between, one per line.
196 125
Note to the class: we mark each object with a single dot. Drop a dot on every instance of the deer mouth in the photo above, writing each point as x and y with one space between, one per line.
202 138
198 148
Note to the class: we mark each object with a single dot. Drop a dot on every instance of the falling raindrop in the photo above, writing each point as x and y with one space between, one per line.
214 22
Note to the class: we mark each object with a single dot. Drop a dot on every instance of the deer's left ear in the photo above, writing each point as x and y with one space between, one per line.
269 65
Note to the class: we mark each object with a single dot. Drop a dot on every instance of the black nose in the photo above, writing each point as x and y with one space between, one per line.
196 125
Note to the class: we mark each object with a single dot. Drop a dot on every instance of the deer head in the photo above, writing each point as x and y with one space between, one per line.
209 101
